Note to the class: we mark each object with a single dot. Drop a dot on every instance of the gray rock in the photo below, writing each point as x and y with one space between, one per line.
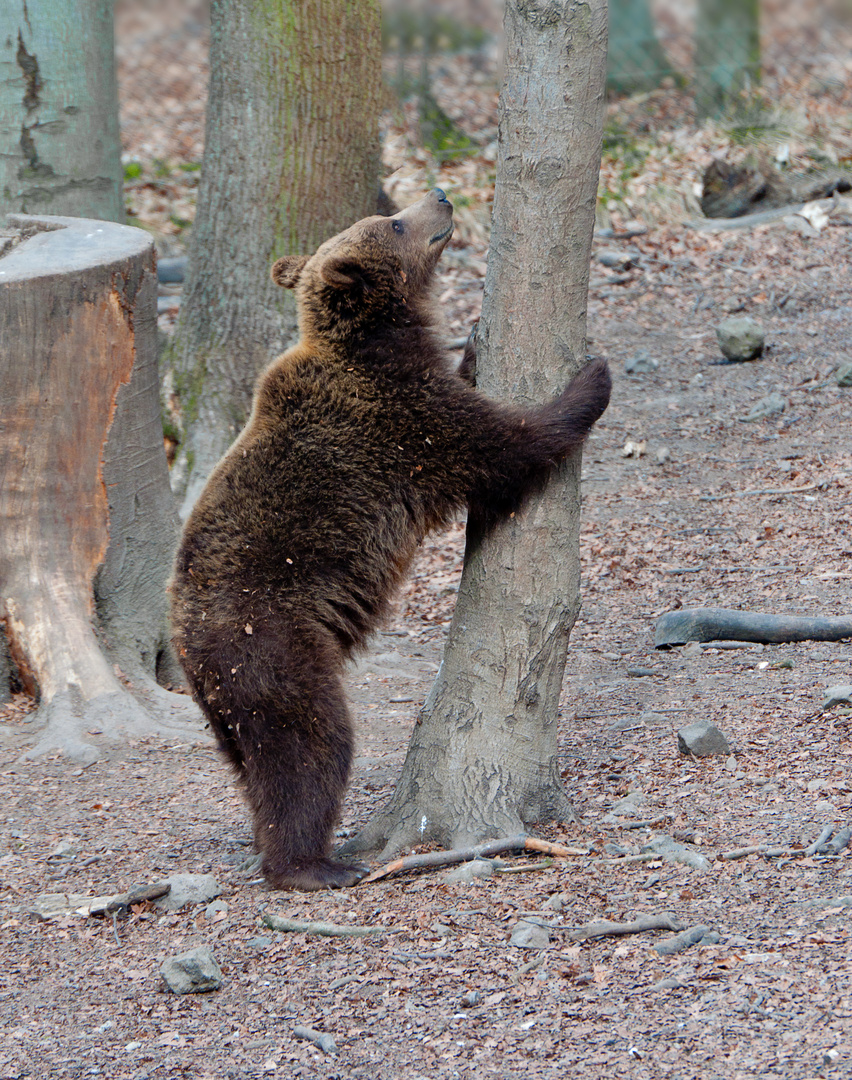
630 803
476 868
189 889
193 972
771 405
612 257
843 375
641 363
702 739
529 935
65 849
740 338
673 852
837 695
217 908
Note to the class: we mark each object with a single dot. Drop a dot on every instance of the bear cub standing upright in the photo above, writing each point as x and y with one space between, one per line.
362 439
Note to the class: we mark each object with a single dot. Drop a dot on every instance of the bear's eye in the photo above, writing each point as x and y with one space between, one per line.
398 227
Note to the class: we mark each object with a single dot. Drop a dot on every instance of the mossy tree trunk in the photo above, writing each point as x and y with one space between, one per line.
727 52
87 520
59 138
483 760
637 61
291 158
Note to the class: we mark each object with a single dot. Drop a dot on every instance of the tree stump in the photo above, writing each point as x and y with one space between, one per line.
87 522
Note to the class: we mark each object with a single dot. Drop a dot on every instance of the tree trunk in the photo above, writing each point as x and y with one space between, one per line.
87 520
59 142
636 62
483 759
727 52
291 158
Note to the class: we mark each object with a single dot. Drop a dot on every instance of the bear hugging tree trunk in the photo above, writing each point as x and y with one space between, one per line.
362 439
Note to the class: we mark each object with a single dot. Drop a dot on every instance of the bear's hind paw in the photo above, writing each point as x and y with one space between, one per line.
315 875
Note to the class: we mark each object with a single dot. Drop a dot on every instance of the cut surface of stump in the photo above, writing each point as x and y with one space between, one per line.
87 521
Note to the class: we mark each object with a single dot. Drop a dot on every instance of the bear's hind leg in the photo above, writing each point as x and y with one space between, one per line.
297 760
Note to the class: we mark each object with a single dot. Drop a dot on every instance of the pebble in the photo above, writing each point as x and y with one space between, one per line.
217 908
843 375
741 338
771 405
188 889
529 935
641 363
837 695
673 852
702 739
476 868
193 972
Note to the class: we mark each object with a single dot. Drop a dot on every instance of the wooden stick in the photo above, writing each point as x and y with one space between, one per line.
605 928
321 1039
431 859
325 929
758 491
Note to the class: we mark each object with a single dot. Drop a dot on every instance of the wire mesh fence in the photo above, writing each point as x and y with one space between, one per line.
712 54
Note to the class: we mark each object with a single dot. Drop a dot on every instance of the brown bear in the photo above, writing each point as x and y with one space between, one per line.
362 438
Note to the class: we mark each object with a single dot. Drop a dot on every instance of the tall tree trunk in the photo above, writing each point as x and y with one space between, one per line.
291 158
87 519
483 759
637 61
59 142
727 52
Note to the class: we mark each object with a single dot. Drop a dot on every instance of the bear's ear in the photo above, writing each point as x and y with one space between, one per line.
341 272
286 271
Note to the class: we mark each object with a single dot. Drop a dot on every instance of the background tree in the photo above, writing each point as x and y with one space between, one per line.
291 157
59 140
483 759
636 60
727 52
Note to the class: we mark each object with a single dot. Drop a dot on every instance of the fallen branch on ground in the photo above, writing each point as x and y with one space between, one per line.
431 859
605 928
757 491
325 929
321 1039
720 624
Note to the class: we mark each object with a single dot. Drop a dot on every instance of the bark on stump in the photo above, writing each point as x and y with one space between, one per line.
87 520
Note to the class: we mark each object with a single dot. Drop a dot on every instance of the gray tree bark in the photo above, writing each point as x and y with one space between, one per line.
87 519
59 138
727 52
483 759
291 158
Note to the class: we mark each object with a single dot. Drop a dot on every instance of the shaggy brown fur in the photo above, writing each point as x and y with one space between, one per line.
361 440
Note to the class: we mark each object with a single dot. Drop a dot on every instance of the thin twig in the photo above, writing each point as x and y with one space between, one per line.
758 491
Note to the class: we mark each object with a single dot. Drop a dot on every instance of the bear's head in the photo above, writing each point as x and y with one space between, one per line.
372 274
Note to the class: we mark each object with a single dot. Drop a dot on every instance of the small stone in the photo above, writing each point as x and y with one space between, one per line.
470 999
555 902
615 259
260 943
641 363
641 672
702 739
741 338
629 804
662 455
193 972
216 911
476 868
188 889
817 785
843 375
529 935
771 405
837 695
65 849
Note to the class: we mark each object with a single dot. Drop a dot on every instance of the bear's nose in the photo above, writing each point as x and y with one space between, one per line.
442 196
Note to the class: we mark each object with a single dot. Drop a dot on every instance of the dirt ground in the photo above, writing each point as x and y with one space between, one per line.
715 510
